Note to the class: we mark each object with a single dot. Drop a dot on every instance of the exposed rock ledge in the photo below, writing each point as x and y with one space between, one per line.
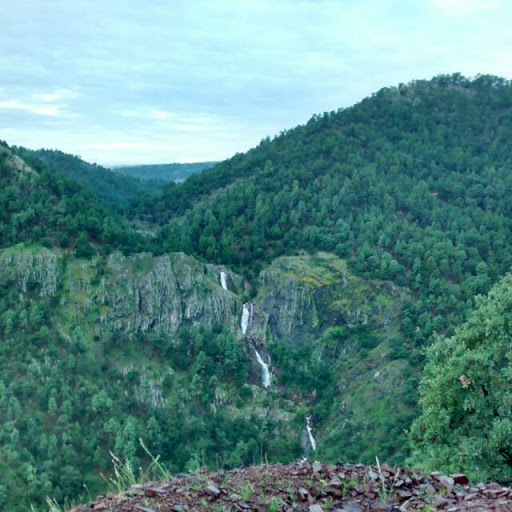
309 487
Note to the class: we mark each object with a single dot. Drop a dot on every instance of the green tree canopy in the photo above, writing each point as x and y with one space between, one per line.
466 394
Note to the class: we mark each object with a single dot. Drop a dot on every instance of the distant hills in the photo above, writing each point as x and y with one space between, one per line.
111 187
118 186
164 172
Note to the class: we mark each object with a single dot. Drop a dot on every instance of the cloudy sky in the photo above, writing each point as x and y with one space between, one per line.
132 81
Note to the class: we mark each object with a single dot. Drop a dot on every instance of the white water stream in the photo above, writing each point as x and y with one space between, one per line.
246 317
312 441
266 375
224 280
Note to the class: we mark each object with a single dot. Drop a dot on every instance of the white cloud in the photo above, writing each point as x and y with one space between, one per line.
182 127
163 115
199 120
466 7
127 112
56 95
50 110
113 146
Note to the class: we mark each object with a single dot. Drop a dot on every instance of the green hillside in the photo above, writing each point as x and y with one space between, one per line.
411 185
296 285
40 205
111 187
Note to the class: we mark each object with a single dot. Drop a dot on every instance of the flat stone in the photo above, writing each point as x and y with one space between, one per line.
333 491
446 482
373 475
335 482
303 493
441 503
151 492
143 508
379 506
460 479
352 506
212 490
403 494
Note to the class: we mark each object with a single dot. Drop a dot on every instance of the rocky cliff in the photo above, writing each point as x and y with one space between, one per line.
131 294
298 297
301 296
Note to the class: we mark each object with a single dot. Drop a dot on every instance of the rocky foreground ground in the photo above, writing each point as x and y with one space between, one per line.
310 487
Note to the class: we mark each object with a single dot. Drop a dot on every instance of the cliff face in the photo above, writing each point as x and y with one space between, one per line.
131 294
299 296
26 269
145 293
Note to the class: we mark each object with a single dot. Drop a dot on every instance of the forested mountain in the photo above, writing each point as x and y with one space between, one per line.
289 292
411 185
111 187
39 205
164 172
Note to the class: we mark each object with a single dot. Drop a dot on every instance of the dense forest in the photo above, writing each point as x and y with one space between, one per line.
110 187
40 205
383 221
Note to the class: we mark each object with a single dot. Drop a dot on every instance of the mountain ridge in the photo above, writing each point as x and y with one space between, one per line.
349 242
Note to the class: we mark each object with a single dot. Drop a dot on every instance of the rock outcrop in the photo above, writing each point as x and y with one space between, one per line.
300 296
307 487
31 269
146 293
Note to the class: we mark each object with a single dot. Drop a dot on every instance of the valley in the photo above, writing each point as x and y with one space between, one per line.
285 304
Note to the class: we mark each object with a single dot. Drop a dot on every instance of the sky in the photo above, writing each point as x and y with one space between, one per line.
122 82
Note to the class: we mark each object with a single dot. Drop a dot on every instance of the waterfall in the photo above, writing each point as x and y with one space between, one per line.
312 441
246 317
224 280
266 376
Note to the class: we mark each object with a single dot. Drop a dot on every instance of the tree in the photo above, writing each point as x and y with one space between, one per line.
466 394
83 248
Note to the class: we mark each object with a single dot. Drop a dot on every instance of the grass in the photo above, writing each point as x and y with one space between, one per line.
246 491
275 504
126 476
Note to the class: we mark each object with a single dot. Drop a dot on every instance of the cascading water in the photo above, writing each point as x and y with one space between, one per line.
312 441
246 317
266 375
224 280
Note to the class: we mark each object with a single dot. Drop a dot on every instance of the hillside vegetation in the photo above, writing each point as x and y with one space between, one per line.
332 256
46 207
466 397
111 187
